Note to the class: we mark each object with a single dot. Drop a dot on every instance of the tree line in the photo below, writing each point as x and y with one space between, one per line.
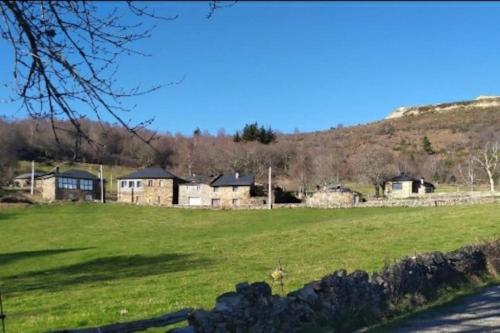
366 153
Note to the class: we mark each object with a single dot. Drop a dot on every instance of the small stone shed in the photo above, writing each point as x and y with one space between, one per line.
69 185
405 186
331 196
23 181
149 186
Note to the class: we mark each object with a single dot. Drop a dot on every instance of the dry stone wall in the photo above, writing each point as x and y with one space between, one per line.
346 301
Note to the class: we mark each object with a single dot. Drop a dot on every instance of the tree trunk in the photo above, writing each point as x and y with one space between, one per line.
492 181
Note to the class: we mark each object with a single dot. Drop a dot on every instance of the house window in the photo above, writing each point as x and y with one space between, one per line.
138 183
131 184
123 183
150 182
68 183
236 202
160 183
198 188
86 184
215 202
397 186
216 189
235 188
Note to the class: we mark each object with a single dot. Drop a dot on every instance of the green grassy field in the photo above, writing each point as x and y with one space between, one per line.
72 265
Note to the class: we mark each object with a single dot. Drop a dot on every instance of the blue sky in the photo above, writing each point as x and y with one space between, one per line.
308 66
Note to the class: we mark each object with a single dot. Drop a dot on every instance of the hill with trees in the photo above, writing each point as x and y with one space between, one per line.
442 147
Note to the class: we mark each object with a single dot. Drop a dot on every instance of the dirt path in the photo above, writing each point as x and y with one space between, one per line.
476 313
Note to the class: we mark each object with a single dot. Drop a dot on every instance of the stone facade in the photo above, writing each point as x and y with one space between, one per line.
331 197
162 192
48 189
217 197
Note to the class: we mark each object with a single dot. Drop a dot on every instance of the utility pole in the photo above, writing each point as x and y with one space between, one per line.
32 188
269 191
102 185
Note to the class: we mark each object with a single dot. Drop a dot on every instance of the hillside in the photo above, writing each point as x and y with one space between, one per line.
300 161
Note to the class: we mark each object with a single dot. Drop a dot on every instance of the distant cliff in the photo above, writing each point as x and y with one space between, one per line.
481 102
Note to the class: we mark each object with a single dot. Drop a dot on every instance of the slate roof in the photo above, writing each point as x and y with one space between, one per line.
150 173
231 180
73 173
403 177
199 179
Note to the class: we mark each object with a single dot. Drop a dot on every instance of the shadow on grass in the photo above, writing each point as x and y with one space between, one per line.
8 258
101 270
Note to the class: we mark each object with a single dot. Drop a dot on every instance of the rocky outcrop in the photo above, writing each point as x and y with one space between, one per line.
481 102
346 301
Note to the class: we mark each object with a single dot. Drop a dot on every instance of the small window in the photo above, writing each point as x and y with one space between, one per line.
235 188
215 202
397 186
86 184
139 183
236 202
67 183
216 189
131 184
198 188
150 182
160 183
123 183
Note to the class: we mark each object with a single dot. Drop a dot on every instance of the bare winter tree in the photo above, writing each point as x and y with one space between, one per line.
488 158
467 171
374 166
66 58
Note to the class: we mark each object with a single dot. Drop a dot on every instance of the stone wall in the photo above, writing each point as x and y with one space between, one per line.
161 192
345 301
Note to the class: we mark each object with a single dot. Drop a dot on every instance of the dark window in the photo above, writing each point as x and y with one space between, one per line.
216 189
68 183
131 183
235 188
123 183
86 184
397 186
215 202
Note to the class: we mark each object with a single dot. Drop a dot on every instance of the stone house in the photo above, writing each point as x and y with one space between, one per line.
149 186
404 186
68 185
222 191
332 196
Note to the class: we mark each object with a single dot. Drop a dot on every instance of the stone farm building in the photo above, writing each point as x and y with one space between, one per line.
150 186
222 191
23 181
404 186
332 196
68 185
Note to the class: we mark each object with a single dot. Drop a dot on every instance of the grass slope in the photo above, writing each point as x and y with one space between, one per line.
81 264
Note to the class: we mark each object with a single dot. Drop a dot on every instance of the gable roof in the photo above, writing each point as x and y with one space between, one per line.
403 177
232 180
73 173
200 179
150 173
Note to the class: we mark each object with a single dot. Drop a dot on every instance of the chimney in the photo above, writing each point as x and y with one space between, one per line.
237 175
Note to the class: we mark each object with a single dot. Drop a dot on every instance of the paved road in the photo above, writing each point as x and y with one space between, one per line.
476 313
